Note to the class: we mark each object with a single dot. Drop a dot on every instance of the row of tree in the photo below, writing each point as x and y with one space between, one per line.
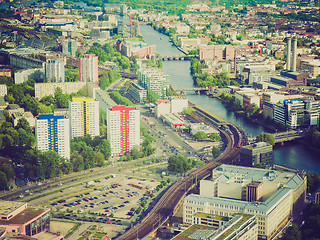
200 135
108 77
119 99
7 174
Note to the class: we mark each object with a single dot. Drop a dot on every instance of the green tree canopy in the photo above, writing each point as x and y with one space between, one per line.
179 164
215 151
200 135
266 137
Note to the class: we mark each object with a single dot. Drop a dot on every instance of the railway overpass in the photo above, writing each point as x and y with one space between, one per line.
287 136
195 89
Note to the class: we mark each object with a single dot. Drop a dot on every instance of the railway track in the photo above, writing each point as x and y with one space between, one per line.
167 204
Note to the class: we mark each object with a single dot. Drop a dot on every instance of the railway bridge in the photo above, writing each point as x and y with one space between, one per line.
287 136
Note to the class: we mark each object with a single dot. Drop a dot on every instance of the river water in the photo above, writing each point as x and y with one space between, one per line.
294 155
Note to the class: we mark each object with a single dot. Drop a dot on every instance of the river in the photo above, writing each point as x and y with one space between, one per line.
294 155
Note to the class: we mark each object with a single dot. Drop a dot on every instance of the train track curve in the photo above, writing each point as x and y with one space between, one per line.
166 206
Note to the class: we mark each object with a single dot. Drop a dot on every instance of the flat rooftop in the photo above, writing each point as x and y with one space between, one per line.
211 216
186 233
25 216
7 207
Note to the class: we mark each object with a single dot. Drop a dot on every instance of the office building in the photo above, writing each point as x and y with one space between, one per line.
137 92
54 71
53 134
123 128
256 153
272 196
208 227
88 69
84 117
19 218
297 113
154 80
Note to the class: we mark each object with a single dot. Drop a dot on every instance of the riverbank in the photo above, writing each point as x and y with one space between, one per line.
294 155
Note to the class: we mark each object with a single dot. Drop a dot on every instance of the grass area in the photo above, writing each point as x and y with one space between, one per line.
72 230
99 235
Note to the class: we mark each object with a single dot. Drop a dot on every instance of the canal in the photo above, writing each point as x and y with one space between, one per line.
294 155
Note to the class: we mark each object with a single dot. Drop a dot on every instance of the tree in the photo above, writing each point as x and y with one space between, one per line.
135 153
105 148
30 104
215 152
152 96
25 139
100 160
215 137
77 162
200 135
179 164
3 181
24 124
266 137
45 109
62 100
159 63
104 81
9 172
310 229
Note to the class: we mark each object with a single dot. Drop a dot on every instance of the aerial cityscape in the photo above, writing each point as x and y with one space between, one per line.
159 119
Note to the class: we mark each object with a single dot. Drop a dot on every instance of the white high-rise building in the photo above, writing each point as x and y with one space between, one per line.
54 71
84 117
88 69
154 80
53 133
123 128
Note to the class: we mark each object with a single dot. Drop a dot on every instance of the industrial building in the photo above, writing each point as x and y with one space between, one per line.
272 196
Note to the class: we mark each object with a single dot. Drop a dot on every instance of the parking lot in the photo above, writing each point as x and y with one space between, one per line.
109 200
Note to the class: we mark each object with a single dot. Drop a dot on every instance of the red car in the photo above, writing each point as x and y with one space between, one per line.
122 197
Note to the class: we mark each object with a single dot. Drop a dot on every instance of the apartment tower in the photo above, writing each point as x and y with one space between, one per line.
52 133
123 128
88 69
84 117
54 71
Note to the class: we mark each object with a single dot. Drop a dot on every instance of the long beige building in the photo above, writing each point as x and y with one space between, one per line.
270 195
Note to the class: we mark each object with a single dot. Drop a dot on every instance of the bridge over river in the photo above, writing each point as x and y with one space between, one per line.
287 136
